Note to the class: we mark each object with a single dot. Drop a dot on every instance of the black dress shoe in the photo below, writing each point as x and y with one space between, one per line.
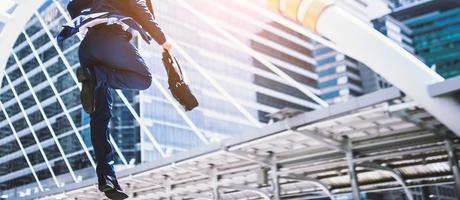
88 82
116 194
106 183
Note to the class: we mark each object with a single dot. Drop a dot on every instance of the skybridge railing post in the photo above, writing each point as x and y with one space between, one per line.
352 169
215 183
275 177
453 164
168 187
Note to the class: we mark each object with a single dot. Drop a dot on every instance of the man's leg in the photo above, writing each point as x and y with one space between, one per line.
121 65
120 79
100 135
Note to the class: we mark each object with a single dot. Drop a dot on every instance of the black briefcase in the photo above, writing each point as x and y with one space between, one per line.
179 89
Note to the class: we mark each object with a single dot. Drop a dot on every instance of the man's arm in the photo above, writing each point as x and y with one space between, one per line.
76 6
144 17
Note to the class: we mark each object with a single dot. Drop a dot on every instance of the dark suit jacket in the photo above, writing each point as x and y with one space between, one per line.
140 10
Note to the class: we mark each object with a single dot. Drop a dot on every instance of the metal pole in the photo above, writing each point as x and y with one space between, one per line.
215 183
352 169
168 187
453 163
275 177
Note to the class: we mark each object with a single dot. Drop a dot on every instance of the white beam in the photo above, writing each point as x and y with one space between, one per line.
4 17
13 28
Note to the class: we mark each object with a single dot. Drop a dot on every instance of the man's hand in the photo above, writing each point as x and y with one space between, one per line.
167 46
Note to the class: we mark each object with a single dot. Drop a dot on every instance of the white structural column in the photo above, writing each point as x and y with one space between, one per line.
354 182
215 183
276 187
21 147
367 45
31 128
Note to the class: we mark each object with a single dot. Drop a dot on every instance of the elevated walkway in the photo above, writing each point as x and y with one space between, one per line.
393 144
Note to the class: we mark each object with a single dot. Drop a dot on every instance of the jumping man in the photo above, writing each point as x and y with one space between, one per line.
109 61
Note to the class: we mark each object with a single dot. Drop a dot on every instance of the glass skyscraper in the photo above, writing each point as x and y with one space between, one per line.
428 29
230 51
